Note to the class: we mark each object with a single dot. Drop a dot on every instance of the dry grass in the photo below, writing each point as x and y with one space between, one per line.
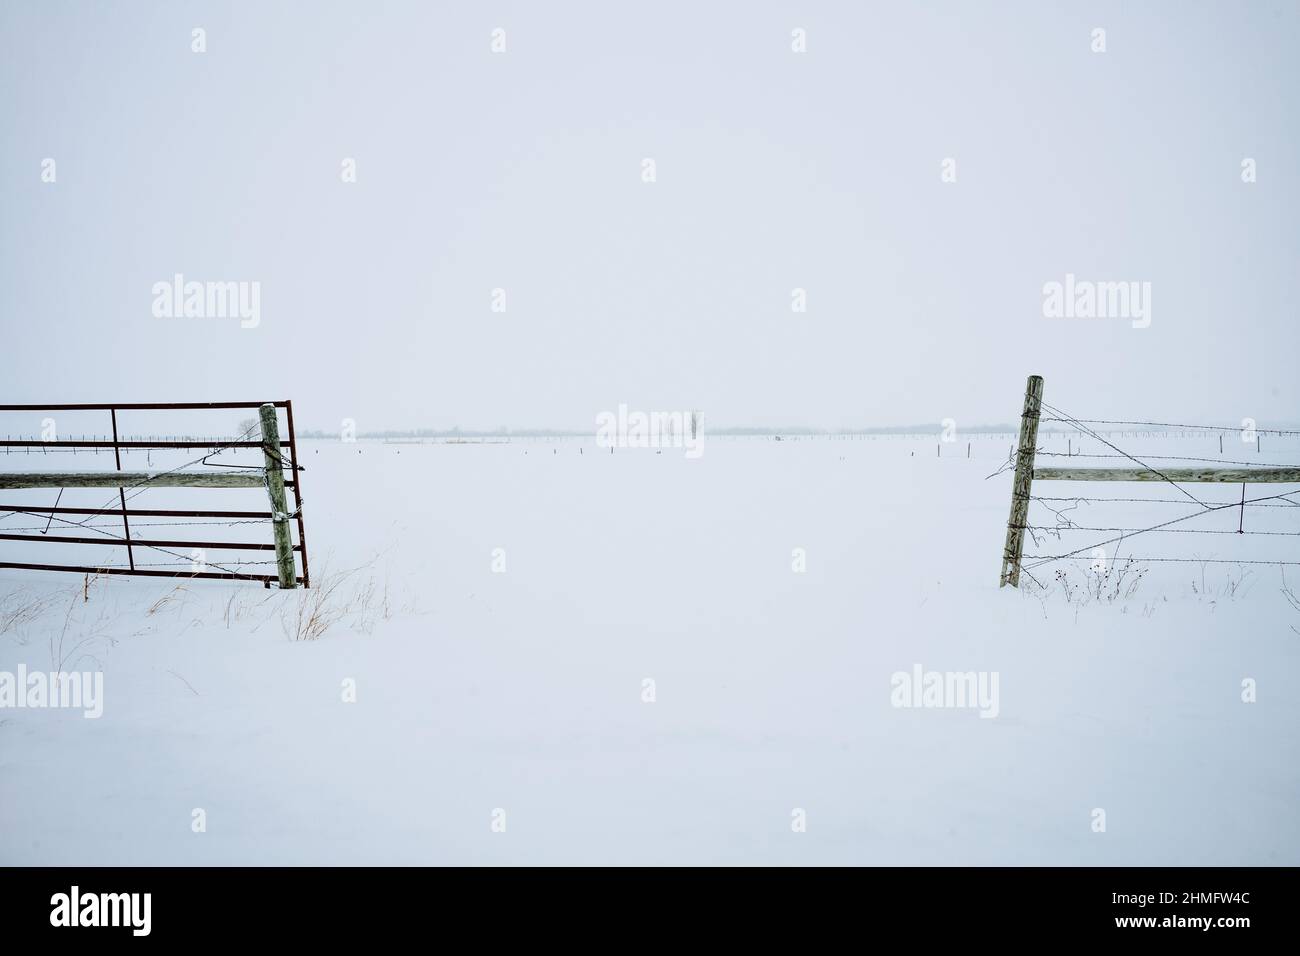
335 598
1101 582
88 583
357 599
20 608
316 609
244 603
1290 598
174 597
354 597
1233 586
67 648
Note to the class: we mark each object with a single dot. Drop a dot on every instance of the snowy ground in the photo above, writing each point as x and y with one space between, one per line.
479 691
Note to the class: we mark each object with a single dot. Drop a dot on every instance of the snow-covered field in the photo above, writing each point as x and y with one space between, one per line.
509 601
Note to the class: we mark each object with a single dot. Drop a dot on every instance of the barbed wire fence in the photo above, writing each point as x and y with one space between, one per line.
1063 510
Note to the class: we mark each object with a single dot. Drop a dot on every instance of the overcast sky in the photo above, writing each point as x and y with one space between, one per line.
775 170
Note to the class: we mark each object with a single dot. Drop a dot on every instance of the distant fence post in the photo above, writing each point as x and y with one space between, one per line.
1022 483
279 504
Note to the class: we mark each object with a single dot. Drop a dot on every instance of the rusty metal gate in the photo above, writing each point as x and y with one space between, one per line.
291 571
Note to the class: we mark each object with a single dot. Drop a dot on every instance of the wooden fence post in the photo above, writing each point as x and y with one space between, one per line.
1022 483
279 505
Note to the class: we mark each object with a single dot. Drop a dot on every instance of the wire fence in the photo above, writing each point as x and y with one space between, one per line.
1062 507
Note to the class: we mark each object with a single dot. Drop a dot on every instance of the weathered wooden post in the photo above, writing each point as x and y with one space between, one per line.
1022 483
279 505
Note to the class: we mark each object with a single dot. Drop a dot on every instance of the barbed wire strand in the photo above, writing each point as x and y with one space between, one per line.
1167 501
1045 559
1076 527
1212 428
1217 461
1077 424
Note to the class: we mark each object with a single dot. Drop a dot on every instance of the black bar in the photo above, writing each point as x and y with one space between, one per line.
939 910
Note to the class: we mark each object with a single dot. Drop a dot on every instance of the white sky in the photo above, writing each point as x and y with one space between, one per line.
775 170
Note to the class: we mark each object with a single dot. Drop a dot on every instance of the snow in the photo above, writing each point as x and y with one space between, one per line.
478 691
